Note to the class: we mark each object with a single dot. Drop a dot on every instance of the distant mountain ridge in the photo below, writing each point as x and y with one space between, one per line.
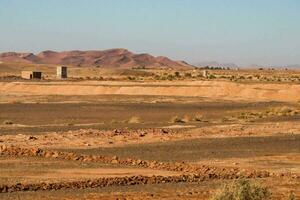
112 58
216 64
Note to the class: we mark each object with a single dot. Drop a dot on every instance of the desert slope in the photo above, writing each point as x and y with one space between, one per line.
117 58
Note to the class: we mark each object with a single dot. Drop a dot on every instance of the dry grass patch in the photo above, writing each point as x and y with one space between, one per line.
8 122
284 111
291 196
177 119
198 118
272 112
187 119
242 190
134 120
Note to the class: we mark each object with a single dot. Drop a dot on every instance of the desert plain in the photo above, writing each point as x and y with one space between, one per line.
147 133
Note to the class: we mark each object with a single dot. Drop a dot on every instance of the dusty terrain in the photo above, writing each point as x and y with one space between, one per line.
222 90
148 139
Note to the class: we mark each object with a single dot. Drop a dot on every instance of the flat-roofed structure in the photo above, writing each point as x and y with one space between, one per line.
31 75
205 74
62 72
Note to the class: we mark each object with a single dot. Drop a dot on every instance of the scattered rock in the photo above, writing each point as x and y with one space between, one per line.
32 138
164 130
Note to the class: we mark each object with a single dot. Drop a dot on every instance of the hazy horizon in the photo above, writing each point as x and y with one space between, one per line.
262 32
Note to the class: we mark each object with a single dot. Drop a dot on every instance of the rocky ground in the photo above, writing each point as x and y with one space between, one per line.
91 146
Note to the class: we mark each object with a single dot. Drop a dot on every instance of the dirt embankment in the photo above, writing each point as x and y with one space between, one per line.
218 90
191 173
202 170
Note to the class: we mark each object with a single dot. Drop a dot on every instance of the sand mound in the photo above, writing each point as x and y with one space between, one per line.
215 90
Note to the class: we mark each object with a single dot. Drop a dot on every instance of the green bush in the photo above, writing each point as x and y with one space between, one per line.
242 190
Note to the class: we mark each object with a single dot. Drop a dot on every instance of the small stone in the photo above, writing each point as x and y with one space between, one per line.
142 135
138 162
165 131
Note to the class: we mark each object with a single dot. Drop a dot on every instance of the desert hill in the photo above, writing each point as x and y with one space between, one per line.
117 58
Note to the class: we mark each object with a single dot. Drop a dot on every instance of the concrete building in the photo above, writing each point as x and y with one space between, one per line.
205 74
31 75
62 72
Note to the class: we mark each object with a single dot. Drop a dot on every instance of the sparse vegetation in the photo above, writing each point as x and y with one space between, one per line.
211 76
242 190
198 118
134 120
189 117
291 196
170 77
188 75
8 122
177 74
177 119
272 112
131 78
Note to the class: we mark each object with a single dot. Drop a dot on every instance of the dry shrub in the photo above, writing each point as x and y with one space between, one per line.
291 196
186 119
114 121
198 118
134 120
277 111
177 119
284 111
242 190
7 122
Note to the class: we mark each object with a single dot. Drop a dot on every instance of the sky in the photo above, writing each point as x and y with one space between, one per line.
263 32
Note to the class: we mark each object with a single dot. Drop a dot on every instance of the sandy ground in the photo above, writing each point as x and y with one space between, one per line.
194 191
287 163
264 142
222 90
32 170
93 138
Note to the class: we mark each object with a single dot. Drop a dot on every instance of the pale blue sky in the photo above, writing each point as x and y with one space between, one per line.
242 31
